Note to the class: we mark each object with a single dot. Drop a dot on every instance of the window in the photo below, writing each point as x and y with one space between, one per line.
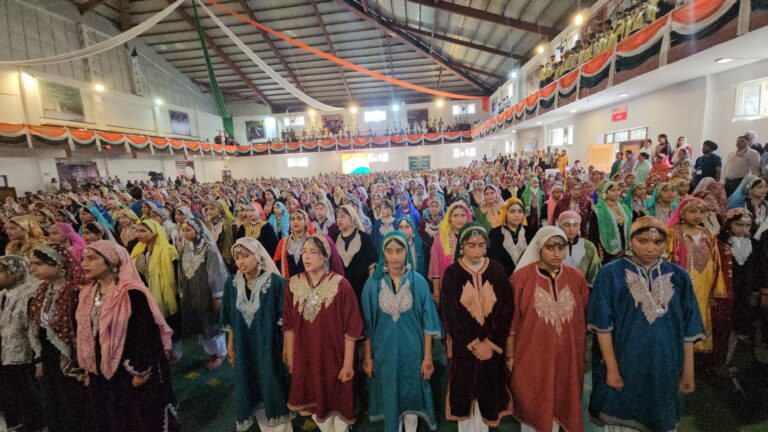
464 152
374 116
378 157
511 92
463 109
293 121
561 136
298 162
638 134
626 135
752 100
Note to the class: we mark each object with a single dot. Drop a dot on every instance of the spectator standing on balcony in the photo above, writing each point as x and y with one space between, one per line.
741 162
707 165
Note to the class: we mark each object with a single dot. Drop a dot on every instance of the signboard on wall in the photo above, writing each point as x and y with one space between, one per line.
619 114
418 163
333 122
61 102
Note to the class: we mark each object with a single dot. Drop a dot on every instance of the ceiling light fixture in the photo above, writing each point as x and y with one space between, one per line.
540 49
623 95
578 19
311 113
440 103
98 87
395 107
538 122
574 111
723 60
353 109
513 74
158 101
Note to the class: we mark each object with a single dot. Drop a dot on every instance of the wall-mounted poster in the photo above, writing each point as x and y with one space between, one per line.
61 102
417 163
78 173
185 169
333 122
254 129
180 123
418 116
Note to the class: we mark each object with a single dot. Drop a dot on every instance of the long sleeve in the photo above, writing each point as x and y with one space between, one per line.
142 330
217 272
352 320
498 323
369 305
290 313
430 320
268 239
225 311
600 308
460 326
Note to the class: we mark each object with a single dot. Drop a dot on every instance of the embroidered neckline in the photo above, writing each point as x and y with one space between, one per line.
192 258
347 253
395 303
652 295
310 301
249 304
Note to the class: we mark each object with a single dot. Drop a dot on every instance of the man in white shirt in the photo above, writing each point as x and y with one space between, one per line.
743 161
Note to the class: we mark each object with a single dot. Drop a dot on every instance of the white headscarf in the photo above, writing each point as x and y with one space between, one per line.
533 253
255 247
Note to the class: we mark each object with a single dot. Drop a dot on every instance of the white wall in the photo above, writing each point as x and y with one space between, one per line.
700 109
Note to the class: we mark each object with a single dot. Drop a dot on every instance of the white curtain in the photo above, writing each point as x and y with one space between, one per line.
309 100
101 46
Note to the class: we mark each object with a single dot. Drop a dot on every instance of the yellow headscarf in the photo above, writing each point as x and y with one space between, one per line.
33 238
162 279
505 208
446 230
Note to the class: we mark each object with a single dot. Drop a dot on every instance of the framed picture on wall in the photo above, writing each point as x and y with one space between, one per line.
333 122
420 116
61 102
78 173
185 169
180 123
254 129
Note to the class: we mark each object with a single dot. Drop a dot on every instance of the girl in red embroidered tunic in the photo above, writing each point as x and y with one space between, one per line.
322 321
476 307
546 346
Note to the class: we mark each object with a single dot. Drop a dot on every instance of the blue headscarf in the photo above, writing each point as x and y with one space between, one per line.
741 195
98 217
417 250
382 264
285 221
413 212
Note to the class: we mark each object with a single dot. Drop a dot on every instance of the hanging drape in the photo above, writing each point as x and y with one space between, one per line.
101 46
290 88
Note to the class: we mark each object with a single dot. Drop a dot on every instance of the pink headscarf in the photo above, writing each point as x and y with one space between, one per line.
115 313
78 244
335 264
676 218
552 204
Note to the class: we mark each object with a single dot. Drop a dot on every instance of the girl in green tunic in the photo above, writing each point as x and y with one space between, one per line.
252 311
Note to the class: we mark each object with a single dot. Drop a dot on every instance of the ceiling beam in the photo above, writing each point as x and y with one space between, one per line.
221 54
487 16
375 18
90 4
125 15
461 42
272 47
330 45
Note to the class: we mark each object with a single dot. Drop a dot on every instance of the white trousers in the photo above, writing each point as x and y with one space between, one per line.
331 424
409 422
261 419
216 345
525 428
475 421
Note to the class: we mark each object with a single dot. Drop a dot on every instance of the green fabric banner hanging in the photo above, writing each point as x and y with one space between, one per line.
229 125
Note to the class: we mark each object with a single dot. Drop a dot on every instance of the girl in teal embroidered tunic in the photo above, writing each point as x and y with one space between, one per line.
400 321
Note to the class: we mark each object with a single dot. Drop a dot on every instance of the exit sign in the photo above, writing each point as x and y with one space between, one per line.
619 114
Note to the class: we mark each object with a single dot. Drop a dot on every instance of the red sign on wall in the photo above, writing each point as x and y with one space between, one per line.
619 114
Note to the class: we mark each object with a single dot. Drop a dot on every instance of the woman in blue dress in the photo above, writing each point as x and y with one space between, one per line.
252 312
644 313
400 321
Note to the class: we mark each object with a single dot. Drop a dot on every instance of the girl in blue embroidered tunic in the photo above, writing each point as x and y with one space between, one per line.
384 224
646 318
400 321
251 311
